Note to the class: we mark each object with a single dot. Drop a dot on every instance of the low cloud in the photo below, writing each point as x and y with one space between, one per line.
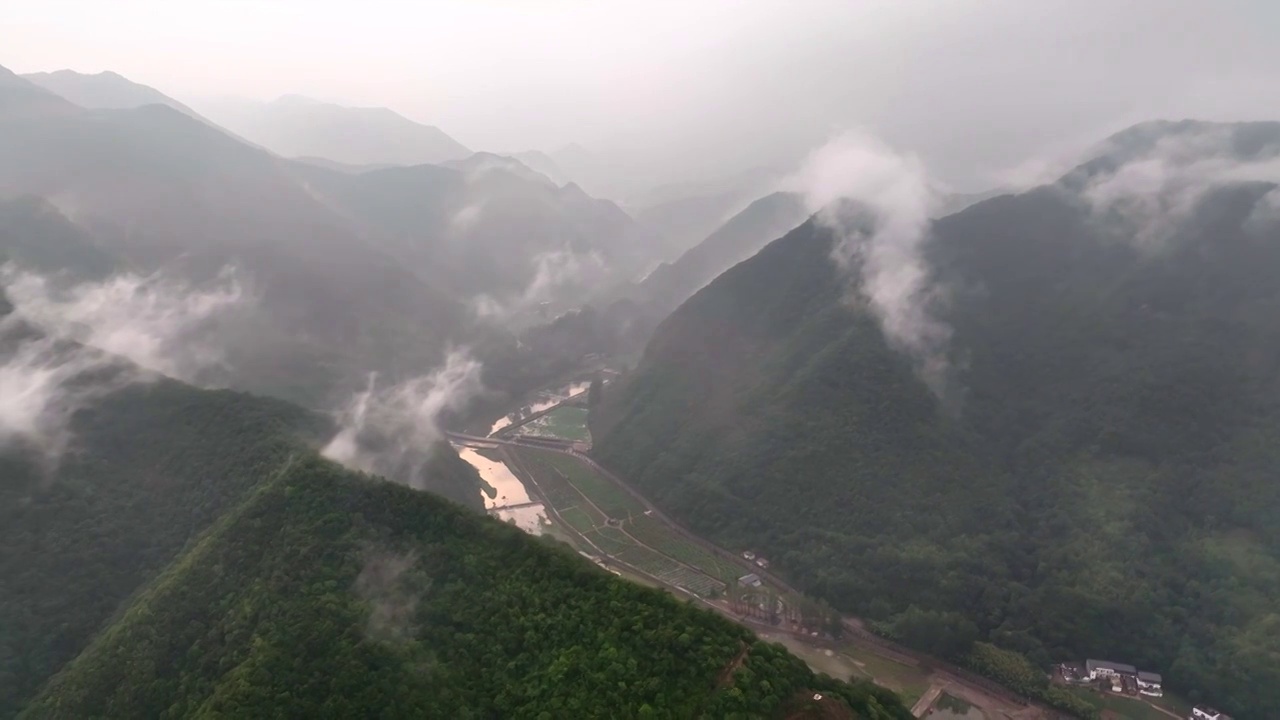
392 587
1265 213
158 323
467 217
1150 196
44 381
553 272
390 430
62 348
879 203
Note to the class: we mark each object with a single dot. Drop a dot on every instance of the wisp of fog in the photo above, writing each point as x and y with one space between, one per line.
63 348
856 174
390 431
1154 192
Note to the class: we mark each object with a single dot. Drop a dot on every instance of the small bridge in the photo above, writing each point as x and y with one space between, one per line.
517 506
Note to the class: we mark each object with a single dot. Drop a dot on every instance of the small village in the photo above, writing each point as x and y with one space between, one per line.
1124 679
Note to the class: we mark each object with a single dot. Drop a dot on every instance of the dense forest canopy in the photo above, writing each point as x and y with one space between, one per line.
1096 476
149 468
328 594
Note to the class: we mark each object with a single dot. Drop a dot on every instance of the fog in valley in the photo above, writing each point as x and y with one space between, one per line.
936 340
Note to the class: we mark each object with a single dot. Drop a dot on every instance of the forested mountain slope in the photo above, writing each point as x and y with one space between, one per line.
737 239
1096 479
150 468
328 594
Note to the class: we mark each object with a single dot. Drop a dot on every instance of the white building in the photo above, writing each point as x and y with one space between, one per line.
1105 668
1149 684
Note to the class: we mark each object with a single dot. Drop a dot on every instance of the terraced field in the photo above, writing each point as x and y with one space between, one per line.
579 519
659 536
610 540
612 520
610 498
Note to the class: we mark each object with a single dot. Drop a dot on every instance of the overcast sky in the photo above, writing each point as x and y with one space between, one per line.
698 87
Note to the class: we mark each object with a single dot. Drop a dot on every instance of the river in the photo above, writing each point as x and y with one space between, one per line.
508 490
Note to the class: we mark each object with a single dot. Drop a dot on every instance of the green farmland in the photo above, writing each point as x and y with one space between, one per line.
565 422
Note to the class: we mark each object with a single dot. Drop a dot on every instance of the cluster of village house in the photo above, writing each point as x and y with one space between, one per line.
1118 677
752 579
1122 678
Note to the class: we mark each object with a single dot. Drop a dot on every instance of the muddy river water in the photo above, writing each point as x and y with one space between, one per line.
508 490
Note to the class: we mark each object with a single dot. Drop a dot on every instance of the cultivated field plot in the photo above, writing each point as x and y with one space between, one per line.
551 480
607 496
661 537
609 540
579 494
565 423
578 518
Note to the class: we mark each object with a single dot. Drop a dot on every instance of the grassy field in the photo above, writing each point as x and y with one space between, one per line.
578 518
586 501
565 423
908 681
613 500
1127 708
664 539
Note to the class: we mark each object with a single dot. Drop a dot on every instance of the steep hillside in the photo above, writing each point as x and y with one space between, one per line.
328 594
294 126
629 312
737 239
1093 480
154 190
682 215
489 227
150 467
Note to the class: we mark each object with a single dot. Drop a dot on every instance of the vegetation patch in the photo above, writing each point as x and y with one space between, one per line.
565 423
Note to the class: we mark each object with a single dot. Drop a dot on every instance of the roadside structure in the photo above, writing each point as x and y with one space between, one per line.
1099 669
1149 683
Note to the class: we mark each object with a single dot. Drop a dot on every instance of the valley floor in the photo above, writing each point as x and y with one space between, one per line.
606 520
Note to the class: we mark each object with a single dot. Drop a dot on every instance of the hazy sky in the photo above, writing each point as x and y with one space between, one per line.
698 87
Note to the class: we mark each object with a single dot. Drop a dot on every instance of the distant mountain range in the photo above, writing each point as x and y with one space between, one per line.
295 126
352 271
105 90
682 215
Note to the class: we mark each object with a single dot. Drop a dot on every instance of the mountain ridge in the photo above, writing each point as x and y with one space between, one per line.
1116 385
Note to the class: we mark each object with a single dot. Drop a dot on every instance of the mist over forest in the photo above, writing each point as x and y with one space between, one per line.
655 360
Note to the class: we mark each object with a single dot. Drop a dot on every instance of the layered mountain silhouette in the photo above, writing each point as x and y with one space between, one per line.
295 126
349 272
105 90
